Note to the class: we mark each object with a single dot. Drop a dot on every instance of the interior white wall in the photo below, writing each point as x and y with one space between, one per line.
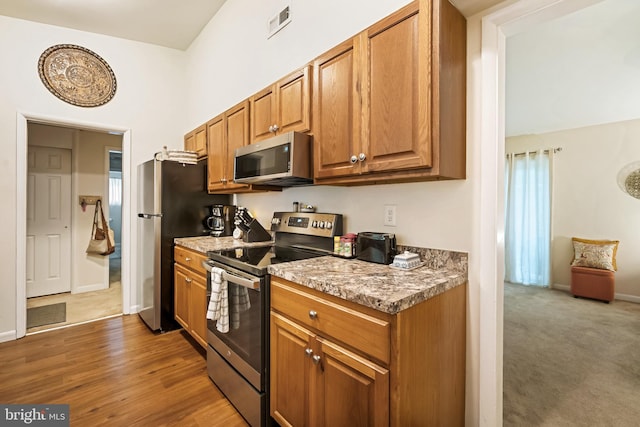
89 272
588 202
148 102
429 214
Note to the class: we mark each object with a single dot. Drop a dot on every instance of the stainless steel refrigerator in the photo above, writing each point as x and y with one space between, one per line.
172 202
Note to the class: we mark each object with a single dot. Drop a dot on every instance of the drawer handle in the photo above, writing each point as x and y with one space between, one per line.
308 352
313 314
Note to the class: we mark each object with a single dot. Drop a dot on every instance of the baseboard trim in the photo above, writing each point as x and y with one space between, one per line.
618 296
8 336
90 288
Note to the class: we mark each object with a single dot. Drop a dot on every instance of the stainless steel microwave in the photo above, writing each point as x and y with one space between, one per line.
284 160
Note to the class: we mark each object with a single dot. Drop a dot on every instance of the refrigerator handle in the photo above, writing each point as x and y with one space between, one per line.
149 216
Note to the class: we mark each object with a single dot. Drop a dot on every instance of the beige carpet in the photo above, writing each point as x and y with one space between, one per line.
570 362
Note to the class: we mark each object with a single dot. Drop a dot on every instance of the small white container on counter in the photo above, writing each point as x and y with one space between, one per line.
407 261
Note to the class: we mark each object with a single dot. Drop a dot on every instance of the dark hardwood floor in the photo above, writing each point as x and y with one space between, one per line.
115 372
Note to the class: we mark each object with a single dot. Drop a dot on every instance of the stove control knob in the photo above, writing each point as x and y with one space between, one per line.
314 224
321 224
275 221
328 225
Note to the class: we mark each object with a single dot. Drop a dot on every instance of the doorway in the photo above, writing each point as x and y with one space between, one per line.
96 288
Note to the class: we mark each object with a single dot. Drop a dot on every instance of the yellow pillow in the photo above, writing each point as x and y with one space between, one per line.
595 253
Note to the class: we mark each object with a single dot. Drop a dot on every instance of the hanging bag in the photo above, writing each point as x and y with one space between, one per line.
101 241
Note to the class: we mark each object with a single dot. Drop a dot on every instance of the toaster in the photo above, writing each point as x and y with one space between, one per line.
376 247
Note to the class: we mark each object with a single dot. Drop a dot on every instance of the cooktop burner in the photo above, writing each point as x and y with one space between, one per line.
257 259
297 236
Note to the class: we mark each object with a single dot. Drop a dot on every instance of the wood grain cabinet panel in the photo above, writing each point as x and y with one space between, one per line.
399 114
190 293
226 132
196 140
336 109
282 107
323 375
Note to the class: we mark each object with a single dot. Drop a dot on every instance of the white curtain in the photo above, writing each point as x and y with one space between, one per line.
528 218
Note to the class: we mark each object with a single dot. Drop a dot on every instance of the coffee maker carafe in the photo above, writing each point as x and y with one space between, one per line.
221 220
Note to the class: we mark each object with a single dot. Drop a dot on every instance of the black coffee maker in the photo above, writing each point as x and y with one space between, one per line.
220 222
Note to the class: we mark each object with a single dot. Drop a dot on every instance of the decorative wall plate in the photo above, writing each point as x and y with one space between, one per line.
629 179
77 75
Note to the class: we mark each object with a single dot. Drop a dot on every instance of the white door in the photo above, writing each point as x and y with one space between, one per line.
48 221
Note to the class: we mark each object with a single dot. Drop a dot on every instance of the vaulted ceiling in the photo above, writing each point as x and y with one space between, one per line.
169 23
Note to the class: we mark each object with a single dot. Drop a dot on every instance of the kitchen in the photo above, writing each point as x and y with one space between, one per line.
439 210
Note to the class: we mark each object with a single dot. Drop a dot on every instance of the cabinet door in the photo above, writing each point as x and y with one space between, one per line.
397 117
263 105
181 284
198 309
293 102
336 110
200 141
190 141
290 372
351 391
237 136
217 152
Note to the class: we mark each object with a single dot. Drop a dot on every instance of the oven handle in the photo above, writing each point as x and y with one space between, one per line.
247 283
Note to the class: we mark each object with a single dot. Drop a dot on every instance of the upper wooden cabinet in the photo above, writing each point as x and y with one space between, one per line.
196 140
282 107
389 104
336 109
226 132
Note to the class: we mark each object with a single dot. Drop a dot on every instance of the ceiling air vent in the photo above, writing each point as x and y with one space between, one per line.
279 21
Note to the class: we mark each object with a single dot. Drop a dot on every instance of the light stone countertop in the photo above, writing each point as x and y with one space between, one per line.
205 244
378 286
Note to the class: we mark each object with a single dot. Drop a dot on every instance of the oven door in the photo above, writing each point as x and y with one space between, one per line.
244 344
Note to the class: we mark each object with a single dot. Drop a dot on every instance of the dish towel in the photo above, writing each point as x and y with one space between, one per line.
239 300
219 302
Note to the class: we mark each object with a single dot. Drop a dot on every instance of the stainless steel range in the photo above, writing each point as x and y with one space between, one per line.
238 359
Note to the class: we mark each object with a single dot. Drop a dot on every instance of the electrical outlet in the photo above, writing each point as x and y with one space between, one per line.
390 215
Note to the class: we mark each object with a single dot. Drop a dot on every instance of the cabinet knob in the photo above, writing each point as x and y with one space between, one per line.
353 159
187 280
187 259
223 180
275 128
313 314
315 359
362 157
308 352
271 128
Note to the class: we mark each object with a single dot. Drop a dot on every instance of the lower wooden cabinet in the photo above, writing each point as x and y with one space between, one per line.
327 374
190 293
317 382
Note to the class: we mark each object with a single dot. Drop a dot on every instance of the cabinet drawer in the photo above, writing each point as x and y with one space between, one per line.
366 333
190 259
